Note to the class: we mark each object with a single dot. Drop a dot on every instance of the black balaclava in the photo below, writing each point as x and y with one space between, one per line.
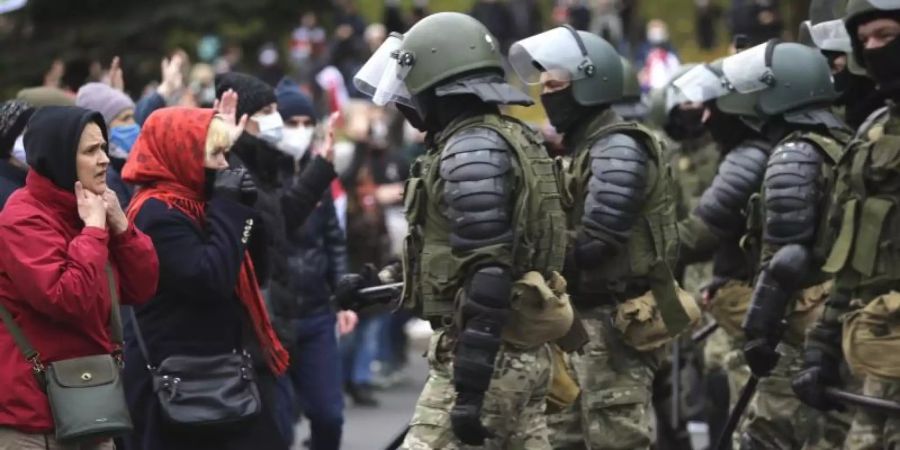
727 130
685 124
883 65
435 113
51 141
563 111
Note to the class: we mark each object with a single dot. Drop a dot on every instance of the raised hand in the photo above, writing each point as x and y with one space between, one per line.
227 110
115 217
326 150
115 79
172 76
91 207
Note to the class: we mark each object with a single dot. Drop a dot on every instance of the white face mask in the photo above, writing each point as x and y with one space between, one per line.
18 150
270 126
657 35
295 141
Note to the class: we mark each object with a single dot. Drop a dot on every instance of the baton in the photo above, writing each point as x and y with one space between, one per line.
736 413
880 404
704 332
384 291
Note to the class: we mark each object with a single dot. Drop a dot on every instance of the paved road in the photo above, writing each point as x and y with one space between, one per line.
374 428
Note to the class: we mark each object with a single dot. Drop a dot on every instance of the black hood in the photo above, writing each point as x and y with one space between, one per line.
51 141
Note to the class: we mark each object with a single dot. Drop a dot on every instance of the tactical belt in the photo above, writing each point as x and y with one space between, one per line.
591 300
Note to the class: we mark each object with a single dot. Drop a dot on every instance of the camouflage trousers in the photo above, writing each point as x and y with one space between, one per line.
614 408
777 419
872 430
514 406
723 352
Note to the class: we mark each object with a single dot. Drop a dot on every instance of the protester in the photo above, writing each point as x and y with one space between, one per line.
54 282
14 115
118 113
208 302
316 256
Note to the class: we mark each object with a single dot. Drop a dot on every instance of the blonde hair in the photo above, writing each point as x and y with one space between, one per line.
217 136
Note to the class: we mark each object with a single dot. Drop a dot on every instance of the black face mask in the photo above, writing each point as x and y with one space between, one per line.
726 129
413 117
841 80
562 109
685 124
209 181
884 67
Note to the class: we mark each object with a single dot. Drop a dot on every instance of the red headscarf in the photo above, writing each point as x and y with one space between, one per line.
166 162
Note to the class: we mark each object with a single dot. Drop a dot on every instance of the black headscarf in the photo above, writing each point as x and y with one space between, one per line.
51 141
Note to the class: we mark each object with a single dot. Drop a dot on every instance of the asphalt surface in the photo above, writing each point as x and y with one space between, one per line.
375 428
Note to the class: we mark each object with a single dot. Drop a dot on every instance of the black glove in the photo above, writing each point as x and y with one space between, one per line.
761 356
465 419
820 370
346 293
236 185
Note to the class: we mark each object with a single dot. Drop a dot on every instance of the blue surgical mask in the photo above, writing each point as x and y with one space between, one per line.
122 138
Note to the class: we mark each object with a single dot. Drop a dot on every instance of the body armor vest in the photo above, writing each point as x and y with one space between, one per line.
433 273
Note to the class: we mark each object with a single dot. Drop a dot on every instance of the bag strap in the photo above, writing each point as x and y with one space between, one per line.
22 342
115 327
140 339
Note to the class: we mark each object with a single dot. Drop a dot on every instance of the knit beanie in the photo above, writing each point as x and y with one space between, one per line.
292 101
14 114
253 94
104 99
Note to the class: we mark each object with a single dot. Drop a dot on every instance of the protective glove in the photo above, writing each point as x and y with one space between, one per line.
346 293
465 419
236 185
820 370
761 356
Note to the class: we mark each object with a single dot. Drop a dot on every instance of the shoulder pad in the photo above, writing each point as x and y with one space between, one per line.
475 153
619 146
799 151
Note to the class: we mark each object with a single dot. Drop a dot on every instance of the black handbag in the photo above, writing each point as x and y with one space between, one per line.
203 391
86 396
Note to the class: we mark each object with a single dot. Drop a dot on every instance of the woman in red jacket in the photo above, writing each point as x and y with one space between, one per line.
57 235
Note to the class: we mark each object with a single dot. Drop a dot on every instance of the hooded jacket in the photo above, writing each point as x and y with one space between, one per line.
54 281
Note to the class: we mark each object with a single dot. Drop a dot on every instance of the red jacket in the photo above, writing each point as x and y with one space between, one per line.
53 281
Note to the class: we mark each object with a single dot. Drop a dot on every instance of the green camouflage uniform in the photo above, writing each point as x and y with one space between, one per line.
613 411
775 416
514 408
865 261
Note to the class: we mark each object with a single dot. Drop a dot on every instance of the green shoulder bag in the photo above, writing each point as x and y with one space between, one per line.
86 396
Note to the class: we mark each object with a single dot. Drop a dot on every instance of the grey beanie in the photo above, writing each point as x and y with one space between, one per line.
104 99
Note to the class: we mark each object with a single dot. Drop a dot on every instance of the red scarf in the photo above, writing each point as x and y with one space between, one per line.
166 162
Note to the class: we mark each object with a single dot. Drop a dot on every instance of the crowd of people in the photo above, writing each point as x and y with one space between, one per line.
671 244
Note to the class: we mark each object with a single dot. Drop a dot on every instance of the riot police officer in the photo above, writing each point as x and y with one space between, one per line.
859 322
622 230
486 237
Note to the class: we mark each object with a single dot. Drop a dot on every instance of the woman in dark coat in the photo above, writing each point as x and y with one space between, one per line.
200 224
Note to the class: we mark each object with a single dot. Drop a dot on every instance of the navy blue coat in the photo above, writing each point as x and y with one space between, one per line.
195 312
11 178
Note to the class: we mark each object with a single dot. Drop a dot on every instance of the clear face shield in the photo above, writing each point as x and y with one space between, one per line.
382 76
885 4
746 72
559 52
831 36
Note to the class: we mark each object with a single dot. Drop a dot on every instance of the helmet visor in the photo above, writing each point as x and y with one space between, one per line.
558 51
699 84
885 4
382 76
749 71
831 35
